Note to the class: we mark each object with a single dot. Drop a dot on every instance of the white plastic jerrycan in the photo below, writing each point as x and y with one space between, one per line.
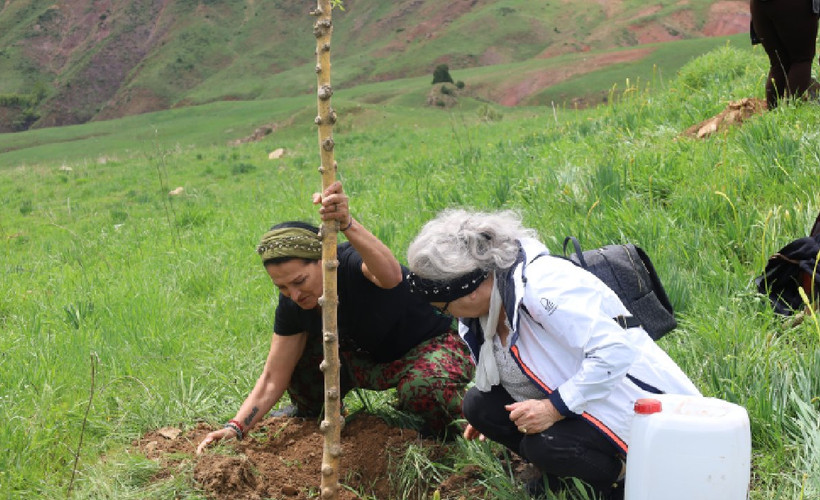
688 448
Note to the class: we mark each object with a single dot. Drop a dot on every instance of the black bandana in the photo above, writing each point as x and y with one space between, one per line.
446 291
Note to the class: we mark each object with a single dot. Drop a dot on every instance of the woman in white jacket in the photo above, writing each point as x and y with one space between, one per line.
557 376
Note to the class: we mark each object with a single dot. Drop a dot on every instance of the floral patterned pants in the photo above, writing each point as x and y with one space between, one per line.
430 380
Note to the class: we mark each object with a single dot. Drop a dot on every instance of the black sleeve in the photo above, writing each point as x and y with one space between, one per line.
350 264
287 318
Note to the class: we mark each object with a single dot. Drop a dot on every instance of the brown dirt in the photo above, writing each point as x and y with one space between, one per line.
282 457
727 18
84 26
435 97
257 135
735 113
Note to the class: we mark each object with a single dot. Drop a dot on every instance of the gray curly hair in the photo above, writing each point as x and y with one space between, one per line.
459 241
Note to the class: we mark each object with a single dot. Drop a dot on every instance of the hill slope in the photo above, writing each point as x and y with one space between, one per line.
81 60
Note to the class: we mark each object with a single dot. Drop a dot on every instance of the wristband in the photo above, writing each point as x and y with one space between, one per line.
236 429
350 223
238 424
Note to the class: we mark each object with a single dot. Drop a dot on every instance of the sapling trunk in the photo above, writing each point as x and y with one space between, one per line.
331 426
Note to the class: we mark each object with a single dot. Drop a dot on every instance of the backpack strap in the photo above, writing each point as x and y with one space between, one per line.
578 252
627 322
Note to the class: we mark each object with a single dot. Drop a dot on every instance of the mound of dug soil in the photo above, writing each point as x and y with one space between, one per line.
282 458
735 113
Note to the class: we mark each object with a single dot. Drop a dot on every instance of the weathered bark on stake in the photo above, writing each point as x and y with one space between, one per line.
331 426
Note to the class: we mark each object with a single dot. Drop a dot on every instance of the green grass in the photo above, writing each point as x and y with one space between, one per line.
360 107
141 135
164 299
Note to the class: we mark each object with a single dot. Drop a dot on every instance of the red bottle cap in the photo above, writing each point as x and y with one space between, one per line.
647 406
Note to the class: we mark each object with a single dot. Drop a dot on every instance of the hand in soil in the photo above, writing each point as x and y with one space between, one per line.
213 437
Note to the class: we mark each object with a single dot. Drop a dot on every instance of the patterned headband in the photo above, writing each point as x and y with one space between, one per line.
446 291
290 242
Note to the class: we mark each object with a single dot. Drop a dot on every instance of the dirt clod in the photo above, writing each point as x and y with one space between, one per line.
281 458
735 113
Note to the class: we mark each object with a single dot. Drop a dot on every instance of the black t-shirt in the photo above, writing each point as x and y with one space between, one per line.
384 323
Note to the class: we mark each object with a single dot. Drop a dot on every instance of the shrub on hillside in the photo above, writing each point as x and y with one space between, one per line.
442 74
20 110
24 120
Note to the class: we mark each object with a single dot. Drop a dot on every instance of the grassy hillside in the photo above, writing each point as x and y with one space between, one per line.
364 105
164 297
82 60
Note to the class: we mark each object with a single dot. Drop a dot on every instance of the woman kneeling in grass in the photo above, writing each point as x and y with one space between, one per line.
389 338
557 376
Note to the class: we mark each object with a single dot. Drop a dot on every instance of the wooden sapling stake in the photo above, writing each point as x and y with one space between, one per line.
332 424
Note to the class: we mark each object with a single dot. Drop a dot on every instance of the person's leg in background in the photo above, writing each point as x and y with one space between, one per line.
764 26
797 28
788 32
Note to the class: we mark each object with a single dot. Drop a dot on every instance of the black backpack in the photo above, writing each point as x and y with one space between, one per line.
627 270
793 267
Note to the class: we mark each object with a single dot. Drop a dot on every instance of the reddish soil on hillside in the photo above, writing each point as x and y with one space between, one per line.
724 18
113 43
516 92
282 459
727 17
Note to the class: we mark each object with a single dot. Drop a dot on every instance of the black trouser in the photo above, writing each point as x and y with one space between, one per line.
788 31
570 448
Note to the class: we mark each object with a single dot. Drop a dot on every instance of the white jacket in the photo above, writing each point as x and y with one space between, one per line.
565 340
